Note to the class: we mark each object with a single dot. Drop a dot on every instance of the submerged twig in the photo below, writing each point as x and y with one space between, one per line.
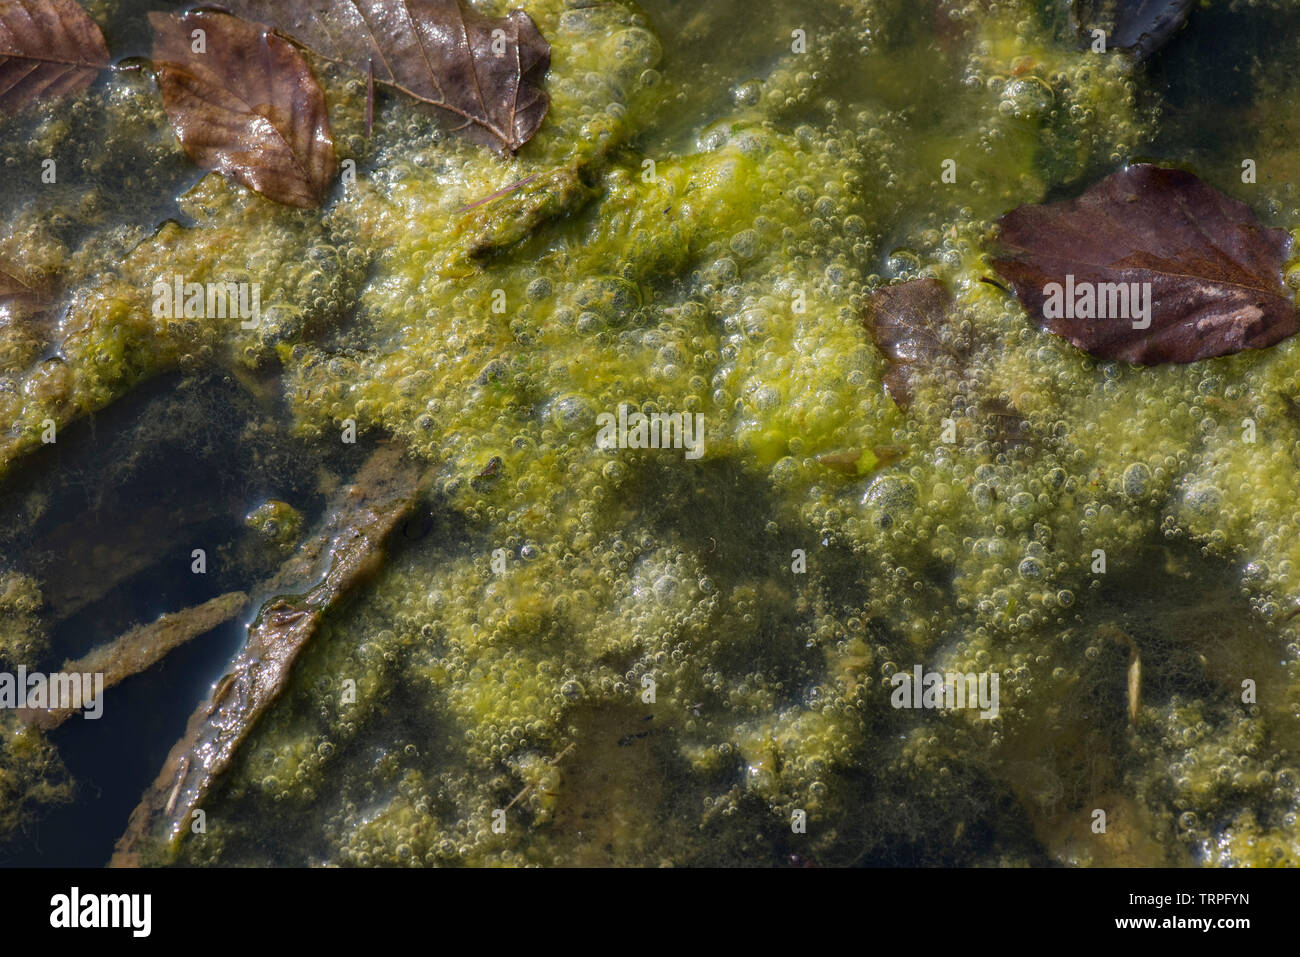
528 787
499 193
370 97
1134 672
141 648
324 571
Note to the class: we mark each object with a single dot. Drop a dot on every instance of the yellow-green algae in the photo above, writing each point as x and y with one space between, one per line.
727 277
31 773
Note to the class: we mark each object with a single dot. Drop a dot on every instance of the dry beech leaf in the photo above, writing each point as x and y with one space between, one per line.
485 72
47 48
248 106
1150 265
1139 26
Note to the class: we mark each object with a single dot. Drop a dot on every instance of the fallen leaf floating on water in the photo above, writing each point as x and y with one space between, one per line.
485 72
47 48
244 102
1150 265
1139 26
908 322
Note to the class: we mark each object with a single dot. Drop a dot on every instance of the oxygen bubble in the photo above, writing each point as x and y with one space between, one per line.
665 588
747 93
903 262
767 399
1030 569
723 270
1027 98
744 244
1137 479
571 413
1203 500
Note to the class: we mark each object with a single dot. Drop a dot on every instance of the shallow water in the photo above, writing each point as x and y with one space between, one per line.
583 653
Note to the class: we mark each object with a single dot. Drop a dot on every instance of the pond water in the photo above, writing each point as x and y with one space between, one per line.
581 648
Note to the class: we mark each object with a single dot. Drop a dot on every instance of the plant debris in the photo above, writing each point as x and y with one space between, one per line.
47 48
912 324
1140 26
349 547
244 102
858 462
907 322
141 648
15 289
484 72
1150 265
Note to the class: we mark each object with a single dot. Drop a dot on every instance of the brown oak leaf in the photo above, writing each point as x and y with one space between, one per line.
1150 265
47 48
244 102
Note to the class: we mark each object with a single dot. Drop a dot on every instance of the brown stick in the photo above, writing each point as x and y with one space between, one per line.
370 97
501 192
139 649
358 523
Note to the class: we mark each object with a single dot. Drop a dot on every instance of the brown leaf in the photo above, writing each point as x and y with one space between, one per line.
47 48
1139 26
908 322
912 323
248 107
1150 247
438 51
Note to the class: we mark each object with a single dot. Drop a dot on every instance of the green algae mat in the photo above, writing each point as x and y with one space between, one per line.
862 432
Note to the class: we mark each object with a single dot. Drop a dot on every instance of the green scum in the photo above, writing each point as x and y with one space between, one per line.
624 656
